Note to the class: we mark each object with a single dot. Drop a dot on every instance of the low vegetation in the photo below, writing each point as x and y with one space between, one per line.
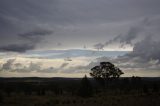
133 91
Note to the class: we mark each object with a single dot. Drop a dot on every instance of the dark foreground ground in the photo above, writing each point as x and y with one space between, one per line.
133 91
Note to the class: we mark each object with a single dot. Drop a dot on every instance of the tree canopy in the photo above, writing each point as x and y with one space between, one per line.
106 70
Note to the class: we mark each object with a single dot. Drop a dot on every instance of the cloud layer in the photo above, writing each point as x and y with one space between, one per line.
34 28
75 23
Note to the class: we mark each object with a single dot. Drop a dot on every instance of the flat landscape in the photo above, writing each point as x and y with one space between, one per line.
134 91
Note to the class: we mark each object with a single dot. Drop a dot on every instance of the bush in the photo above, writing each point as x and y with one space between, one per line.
85 88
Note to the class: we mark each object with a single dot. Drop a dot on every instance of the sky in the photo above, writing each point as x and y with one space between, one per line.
66 38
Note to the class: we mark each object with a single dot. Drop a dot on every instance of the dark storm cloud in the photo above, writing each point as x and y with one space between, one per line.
71 19
132 33
22 24
145 55
146 49
128 38
31 39
17 48
99 46
36 35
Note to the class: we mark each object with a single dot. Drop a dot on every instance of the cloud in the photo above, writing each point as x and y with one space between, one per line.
129 37
34 66
25 25
37 67
98 46
35 36
127 64
59 44
76 69
50 70
64 65
146 49
13 66
17 48
8 65
133 32
30 39
145 56
71 20
18 65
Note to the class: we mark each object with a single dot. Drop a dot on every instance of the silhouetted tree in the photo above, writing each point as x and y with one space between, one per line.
105 71
85 89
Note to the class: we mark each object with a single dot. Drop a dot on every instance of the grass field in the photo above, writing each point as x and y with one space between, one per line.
14 93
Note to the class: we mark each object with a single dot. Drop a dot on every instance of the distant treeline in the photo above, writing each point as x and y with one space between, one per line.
84 87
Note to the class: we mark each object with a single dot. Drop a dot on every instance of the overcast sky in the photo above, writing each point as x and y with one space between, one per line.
117 25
